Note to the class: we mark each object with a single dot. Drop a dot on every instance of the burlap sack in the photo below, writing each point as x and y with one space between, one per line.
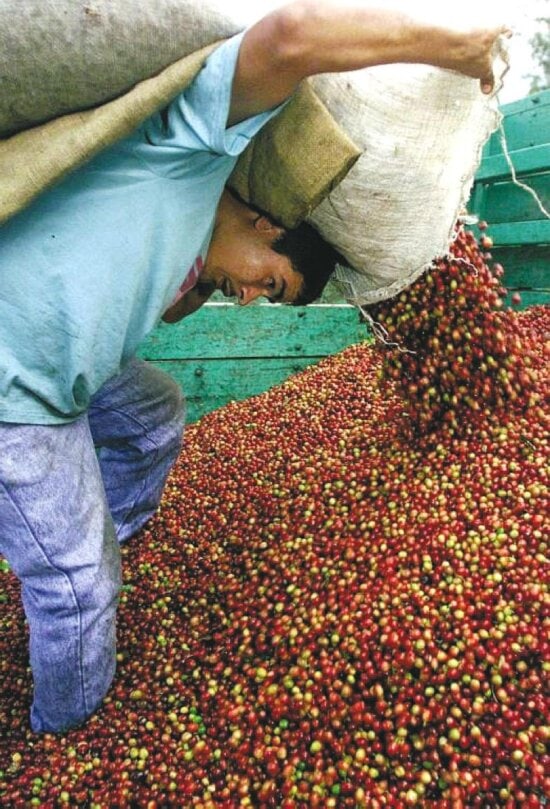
33 160
60 56
70 54
421 131
295 161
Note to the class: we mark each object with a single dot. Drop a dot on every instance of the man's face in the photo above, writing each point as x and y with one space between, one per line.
241 263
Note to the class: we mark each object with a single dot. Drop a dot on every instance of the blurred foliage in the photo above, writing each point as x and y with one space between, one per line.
540 44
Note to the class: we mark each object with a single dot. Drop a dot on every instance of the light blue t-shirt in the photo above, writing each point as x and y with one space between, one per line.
89 268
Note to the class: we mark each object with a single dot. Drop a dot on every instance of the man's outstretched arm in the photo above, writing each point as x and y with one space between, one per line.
308 37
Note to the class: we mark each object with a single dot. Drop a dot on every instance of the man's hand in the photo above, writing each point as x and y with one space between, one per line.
308 37
190 302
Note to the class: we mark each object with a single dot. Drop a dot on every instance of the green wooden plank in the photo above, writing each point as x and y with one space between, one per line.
476 203
529 160
526 123
527 103
228 330
209 384
506 202
525 266
529 298
520 233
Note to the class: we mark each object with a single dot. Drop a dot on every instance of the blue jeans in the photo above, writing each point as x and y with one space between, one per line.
69 494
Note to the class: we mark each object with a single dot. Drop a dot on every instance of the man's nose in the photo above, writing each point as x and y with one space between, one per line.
247 294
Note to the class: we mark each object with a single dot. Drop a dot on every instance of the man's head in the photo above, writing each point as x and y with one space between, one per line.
251 255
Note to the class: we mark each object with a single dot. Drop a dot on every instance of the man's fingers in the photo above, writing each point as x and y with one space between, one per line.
487 84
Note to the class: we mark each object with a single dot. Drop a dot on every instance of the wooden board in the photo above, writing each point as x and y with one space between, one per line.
509 203
525 266
521 233
525 124
517 224
209 384
529 159
531 297
226 353
221 330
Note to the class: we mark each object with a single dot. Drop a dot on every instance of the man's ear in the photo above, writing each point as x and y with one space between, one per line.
263 224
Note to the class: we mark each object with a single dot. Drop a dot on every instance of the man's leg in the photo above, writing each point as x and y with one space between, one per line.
58 536
136 420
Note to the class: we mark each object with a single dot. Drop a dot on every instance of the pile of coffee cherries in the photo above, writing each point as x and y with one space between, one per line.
343 599
456 350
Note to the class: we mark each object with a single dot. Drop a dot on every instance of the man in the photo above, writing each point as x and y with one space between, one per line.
294 265
146 229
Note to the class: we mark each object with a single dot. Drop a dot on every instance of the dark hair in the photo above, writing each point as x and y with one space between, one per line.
311 256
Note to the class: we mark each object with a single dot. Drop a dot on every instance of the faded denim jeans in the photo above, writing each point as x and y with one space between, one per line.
69 494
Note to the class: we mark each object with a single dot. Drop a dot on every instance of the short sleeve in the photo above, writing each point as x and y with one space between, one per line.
196 120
